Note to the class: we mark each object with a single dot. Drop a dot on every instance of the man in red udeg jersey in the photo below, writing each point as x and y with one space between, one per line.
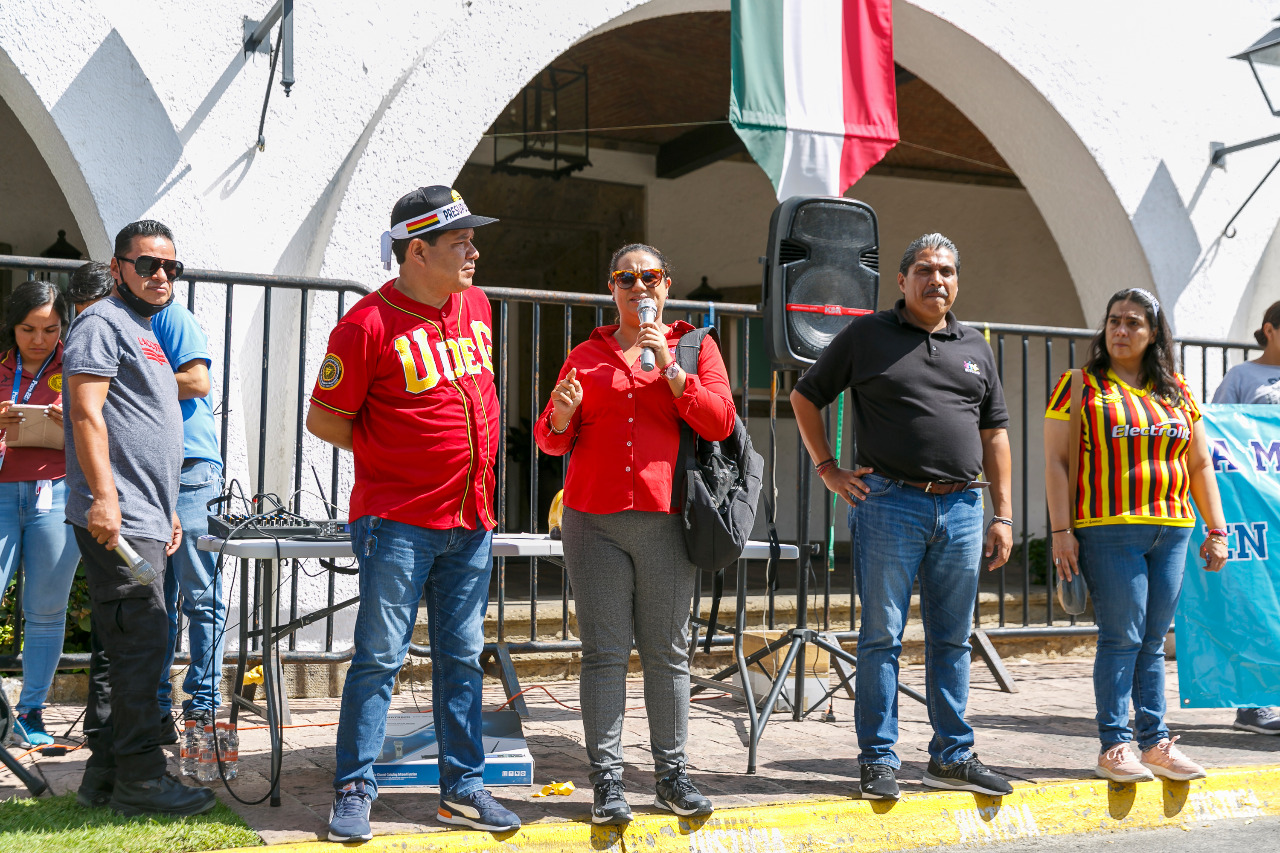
407 386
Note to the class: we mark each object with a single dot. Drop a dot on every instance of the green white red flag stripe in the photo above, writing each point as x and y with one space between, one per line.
813 94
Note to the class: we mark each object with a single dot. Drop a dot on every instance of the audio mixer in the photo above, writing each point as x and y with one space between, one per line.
279 524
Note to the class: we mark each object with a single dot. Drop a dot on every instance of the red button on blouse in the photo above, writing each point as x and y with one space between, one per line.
625 435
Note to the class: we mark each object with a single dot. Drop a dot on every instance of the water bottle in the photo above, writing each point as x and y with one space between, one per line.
229 746
207 765
190 748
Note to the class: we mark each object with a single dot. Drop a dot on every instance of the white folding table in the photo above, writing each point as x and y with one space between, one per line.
269 553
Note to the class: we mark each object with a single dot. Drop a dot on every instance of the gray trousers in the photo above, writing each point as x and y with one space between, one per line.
630 574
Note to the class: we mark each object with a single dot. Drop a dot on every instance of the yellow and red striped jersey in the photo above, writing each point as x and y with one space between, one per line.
1133 452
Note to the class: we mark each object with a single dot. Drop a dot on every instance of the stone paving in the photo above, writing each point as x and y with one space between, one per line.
1043 732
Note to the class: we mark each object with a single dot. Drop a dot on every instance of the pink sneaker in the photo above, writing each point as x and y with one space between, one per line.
1119 764
1165 759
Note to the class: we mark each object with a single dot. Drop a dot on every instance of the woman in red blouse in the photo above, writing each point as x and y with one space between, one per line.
33 493
623 543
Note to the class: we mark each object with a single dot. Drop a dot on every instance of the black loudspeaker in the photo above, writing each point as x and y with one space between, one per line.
822 270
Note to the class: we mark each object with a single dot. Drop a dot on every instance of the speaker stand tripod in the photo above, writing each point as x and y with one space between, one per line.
800 637
795 640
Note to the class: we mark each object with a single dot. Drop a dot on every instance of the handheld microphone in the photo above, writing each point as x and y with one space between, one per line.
141 570
648 314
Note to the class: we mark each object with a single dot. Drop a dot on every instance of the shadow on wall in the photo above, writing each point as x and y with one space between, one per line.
134 147
1163 225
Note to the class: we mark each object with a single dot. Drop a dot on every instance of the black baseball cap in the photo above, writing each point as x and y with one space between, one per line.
433 208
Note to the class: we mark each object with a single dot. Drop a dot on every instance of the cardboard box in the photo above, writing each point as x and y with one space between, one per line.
815 690
816 660
410 754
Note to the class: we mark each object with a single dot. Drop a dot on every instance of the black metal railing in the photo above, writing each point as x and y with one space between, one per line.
271 332
533 333
247 444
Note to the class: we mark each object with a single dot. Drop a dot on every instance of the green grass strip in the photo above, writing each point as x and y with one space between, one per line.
60 825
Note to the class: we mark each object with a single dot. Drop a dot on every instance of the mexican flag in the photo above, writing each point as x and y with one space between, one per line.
813 92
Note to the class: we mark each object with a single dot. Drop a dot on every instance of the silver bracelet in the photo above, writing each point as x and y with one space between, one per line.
1002 520
551 425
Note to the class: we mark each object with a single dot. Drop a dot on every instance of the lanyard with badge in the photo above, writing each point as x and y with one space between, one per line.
44 488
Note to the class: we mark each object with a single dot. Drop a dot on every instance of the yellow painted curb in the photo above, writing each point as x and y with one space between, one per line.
917 820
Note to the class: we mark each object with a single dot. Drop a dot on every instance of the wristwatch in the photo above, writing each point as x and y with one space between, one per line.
672 370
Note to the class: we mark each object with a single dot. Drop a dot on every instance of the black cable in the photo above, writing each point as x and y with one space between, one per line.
257 509
251 521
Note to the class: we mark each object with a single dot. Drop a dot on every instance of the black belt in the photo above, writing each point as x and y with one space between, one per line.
941 487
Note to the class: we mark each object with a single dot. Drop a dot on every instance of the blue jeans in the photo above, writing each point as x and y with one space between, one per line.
194 573
901 534
398 564
1134 573
43 543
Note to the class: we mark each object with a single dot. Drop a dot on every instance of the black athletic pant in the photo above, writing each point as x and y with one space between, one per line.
129 642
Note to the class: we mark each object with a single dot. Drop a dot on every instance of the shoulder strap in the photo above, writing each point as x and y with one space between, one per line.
1073 449
687 351
691 345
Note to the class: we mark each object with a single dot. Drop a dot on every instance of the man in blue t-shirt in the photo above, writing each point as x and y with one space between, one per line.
193 572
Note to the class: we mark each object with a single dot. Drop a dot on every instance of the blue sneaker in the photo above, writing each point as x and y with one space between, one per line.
349 814
478 810
28 730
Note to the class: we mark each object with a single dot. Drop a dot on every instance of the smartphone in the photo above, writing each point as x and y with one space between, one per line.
29 410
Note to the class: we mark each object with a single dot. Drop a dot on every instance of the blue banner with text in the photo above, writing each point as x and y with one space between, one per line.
1228 624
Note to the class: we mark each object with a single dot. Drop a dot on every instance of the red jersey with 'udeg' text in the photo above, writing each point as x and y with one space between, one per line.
418 383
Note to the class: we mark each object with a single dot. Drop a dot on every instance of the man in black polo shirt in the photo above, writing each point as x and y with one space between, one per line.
929 418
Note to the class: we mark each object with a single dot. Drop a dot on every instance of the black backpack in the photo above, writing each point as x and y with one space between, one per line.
720 489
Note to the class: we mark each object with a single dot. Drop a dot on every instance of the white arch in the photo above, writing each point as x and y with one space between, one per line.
1087 219
436 115
16 91
79 92
1094 232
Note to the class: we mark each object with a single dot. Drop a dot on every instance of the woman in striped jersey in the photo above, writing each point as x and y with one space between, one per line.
1143 460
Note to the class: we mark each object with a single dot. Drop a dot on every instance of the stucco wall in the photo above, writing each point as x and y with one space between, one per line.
1110 134
1104 109
1109 128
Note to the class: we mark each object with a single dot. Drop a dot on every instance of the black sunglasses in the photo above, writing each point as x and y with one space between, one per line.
146 266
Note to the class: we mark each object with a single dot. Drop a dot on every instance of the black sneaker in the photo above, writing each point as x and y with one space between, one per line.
967 775
201 718
879 782
1263 721
478 810
96 786
163 795
611 806
677 794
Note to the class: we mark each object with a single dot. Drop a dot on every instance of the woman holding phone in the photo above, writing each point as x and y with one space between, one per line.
33 529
